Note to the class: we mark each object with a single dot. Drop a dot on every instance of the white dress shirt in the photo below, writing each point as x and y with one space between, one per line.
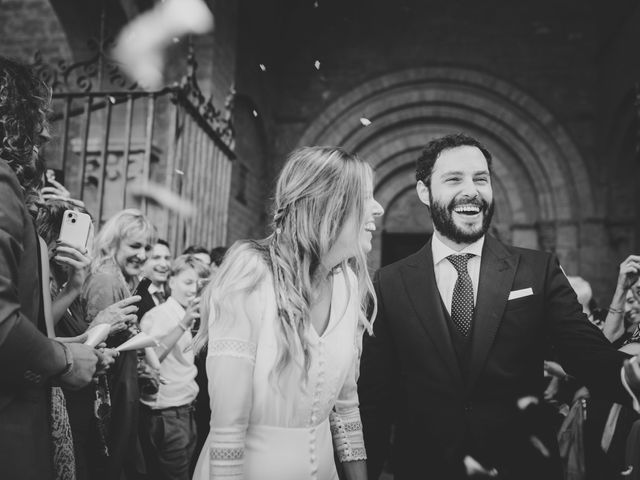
446 274
178 368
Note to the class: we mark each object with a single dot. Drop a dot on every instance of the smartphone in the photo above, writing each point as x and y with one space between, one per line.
76 229
141 289
53 174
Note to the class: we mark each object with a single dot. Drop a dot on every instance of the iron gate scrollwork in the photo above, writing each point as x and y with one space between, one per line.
106 139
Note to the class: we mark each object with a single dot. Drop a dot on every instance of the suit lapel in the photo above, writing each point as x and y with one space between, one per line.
497 271
420 283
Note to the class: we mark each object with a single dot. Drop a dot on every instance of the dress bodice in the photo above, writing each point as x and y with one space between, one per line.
332 356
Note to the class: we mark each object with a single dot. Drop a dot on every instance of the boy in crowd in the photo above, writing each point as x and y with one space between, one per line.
167 426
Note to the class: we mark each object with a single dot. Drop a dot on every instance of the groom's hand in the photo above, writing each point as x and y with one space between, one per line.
632 373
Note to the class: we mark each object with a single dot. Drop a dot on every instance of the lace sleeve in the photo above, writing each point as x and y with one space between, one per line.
346 426
230 362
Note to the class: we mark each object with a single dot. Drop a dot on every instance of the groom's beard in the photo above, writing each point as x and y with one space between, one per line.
442 216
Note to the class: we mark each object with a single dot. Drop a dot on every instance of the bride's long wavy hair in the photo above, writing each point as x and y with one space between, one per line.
317 190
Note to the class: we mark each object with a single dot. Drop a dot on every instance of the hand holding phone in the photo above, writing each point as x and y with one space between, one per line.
76 229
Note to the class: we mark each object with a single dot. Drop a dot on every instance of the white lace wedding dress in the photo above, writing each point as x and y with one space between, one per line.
260 433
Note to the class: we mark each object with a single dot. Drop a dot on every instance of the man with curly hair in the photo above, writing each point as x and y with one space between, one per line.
30 361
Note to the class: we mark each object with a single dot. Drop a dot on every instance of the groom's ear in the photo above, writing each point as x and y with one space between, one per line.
423 193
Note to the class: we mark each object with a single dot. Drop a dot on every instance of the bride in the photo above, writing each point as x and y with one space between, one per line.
285 321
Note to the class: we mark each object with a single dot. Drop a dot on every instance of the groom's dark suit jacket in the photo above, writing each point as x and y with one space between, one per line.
411 374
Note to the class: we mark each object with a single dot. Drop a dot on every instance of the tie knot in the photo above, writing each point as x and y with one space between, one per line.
159 295
459 262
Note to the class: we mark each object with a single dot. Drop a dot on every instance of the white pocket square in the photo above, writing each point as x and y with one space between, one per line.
525 292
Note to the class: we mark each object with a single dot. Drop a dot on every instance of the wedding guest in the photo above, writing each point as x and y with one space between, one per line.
69 267
623 299
167 423
120 250
30 361
200 252
155 271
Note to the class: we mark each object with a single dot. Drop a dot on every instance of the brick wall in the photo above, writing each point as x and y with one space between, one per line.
30 25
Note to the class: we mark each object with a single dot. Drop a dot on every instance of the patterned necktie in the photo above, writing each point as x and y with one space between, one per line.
159 296
462 301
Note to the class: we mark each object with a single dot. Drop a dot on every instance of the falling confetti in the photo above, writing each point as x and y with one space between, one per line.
316 4
628 471
538 445
524 402
263 67
179 172
317 64
164 197
255 114
112 99
365 121
141 45
176 40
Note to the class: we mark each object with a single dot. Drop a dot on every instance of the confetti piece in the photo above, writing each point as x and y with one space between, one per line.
179 172
525 402
316 4
255 114
473 468
263 67
317 64
164 197
627 472
176 39
112 99
365 121
141 45
537 443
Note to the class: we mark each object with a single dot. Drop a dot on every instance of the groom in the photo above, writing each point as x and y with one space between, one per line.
460 337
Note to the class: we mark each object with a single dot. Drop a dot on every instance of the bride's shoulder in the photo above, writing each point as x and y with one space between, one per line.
245 257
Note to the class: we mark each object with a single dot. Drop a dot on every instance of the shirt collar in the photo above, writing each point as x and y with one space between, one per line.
173 304
440 251
153 289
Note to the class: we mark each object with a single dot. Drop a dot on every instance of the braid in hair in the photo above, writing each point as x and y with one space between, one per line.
288 267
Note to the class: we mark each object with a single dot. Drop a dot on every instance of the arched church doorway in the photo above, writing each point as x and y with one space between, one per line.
541 185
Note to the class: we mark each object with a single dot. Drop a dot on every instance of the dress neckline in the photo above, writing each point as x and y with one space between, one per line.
335 312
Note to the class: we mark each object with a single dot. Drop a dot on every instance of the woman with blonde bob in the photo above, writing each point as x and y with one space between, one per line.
119 251
285 321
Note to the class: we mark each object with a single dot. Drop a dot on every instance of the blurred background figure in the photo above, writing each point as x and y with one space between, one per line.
217 256
200 252
153 284
623 311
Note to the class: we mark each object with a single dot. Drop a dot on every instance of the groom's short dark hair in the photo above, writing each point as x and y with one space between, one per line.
433 149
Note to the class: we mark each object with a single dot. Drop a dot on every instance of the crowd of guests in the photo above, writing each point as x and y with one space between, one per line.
72 410
600 439
139 417
145 413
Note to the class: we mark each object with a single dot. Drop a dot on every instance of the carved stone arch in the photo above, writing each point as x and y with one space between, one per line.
539 175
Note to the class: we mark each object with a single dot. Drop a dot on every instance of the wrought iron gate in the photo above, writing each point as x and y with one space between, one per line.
106 139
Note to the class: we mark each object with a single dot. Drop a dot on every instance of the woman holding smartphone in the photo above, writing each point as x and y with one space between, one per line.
119 251
69 268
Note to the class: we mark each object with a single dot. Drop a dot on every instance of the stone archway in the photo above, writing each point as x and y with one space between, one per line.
540 180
